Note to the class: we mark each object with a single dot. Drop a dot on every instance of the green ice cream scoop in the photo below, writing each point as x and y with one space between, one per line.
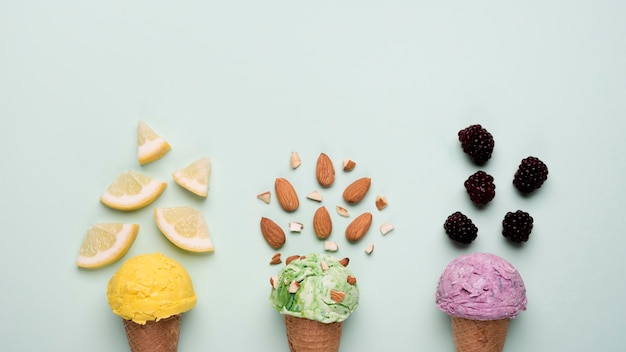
316 287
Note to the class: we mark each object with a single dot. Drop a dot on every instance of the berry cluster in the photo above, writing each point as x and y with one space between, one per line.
480 188
530 175
478 144
460 228
517 226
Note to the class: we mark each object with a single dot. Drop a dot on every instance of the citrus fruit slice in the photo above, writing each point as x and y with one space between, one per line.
105 243
131 191
185 227
195 177
150 146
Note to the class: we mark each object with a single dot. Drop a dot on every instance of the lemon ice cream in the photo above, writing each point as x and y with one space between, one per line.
151 292
150 287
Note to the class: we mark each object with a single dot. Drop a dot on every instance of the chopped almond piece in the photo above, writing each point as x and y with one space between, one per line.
265 196
315 195
381 202
342 211
293 286
348 165
337 296
295 160
276 259
295 226
386 228
291 258
331 246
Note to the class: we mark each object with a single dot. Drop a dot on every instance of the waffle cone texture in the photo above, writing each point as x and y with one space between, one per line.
306 335
479 335
154 336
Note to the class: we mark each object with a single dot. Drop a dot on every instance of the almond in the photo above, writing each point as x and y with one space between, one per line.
337 296
344 261
276 259
386 228
370 248
265 197
381 202
291 258
295 226
295 160
286 195
357 190
342 211
273 234
294 286
325 171
322 224
315 195
359 227
331 246
348 165
274 281
351 280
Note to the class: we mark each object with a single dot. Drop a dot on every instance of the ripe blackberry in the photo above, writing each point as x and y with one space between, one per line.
517 226
480 188
530 175
460 228
476 142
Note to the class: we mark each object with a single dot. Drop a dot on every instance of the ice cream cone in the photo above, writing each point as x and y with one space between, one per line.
306 335
154 336
479 335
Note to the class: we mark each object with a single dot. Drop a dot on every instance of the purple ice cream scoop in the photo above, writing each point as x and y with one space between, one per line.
481 286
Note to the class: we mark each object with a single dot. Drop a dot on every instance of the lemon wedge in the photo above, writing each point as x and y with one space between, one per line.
195 177
131 191
150 146
105 243
185 227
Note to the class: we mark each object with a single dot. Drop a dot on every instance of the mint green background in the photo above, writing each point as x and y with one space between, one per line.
387 83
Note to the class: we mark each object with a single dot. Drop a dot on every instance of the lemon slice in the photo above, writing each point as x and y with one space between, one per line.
195 177
105 243
131 191
185 227
150 146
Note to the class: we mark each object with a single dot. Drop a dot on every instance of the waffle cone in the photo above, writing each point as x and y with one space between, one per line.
479 335
154 336
305 335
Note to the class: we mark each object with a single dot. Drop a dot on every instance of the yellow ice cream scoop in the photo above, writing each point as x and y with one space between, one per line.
149 288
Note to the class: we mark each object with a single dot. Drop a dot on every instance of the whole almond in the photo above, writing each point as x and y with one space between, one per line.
357 190
322 224
273 234
325 171
286 195
359 227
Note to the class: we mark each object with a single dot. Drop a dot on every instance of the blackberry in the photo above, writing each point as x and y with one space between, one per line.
517 226
530 175
480 188
460 228
476 142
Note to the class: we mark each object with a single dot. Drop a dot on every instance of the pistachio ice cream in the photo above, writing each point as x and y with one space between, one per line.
315 294
315 287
